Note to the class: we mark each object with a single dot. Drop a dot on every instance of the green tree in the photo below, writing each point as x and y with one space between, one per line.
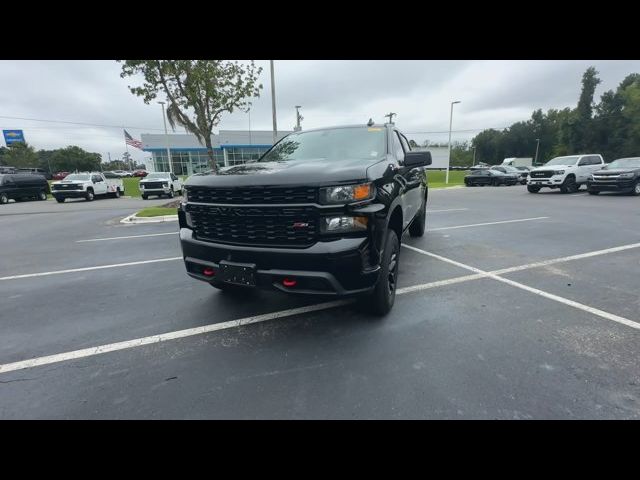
74 158
21 155
198 92
3 152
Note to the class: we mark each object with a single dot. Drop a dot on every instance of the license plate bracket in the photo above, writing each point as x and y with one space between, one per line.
238 273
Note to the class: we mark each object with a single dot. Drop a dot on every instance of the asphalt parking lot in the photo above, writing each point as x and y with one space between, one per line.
512 306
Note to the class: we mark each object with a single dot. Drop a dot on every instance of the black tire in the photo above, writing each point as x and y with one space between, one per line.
144 197
4 199
60 199
533 189
636 189
116 194
380 301
594 192
569 185
42 196
417 227
171 193
89 196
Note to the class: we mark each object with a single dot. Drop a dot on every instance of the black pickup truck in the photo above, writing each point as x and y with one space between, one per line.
322 212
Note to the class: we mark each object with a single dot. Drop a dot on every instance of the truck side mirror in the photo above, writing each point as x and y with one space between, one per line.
417 159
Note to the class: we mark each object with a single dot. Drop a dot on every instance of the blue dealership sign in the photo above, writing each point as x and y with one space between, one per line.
13 136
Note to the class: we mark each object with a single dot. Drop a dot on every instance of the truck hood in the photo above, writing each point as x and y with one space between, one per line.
70 182
551 167
616 171
308 172
167 179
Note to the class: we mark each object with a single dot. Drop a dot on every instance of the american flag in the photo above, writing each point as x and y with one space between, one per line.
129 140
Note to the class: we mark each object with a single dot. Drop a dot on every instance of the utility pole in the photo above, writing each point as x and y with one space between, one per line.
299 118
535 162
390 115
474 157
450 124
273 104
166 138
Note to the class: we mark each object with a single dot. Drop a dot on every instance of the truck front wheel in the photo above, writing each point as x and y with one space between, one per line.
380 301
89 196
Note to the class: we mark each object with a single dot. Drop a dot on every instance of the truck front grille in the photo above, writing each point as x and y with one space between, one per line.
152 185
252 195
541 174
263 226
68 186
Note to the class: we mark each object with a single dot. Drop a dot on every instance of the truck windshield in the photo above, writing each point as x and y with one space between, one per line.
335 144
625 163
563 161
77 176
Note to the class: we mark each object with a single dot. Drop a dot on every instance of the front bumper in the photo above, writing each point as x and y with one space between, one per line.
338 268
554 181
156 191
622 186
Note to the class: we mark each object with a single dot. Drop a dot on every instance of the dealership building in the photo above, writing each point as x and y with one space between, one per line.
230 147
188 156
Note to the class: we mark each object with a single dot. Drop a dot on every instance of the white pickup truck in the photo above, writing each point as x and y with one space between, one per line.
565 173
160 183
87 186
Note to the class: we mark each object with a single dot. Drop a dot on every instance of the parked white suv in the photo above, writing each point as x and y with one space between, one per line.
566 173
160 183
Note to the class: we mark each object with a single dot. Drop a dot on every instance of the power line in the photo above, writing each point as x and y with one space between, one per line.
79 123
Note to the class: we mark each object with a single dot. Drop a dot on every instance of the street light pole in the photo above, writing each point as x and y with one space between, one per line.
474 157
273 104
450 124
166 137
535 162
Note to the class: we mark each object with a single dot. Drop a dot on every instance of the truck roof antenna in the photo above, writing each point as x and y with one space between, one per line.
370 123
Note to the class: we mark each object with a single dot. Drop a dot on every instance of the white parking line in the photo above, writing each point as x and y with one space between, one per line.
128 236
87 269
542 293
448 210
489 223
478 274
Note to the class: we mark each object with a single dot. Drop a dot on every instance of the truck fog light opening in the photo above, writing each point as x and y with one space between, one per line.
208 272
289 282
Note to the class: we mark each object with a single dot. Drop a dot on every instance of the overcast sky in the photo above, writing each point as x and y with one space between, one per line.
494 93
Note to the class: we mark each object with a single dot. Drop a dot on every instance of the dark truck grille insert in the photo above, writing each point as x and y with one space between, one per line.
67 186
153 184
542 174
268 226
252 195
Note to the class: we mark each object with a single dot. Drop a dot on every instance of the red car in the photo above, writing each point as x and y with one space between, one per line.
140 173
60 175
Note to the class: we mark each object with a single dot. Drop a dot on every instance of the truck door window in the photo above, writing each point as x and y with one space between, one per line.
397 148
405 143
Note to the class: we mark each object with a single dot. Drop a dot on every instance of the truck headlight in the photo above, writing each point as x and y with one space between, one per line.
346 193
343 224
558 172
165 185
142 186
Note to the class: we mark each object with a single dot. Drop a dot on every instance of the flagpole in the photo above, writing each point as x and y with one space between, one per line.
126 146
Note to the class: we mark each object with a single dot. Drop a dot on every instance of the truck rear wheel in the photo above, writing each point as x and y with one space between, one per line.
3 199
380 301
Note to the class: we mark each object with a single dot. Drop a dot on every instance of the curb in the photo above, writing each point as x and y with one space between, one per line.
132 219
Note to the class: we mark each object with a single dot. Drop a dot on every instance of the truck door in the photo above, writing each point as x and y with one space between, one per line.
99 185
412 178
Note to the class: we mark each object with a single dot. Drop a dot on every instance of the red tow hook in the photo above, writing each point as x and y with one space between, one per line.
289 282
208 272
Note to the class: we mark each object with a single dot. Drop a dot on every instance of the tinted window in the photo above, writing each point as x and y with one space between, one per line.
405 143
596 160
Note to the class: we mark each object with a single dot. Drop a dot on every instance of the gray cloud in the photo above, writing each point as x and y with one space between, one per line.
493 94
